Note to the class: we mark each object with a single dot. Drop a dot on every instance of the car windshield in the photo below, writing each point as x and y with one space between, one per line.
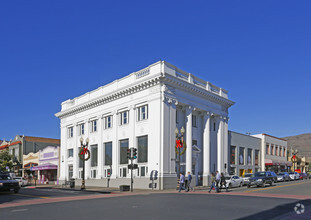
5 177
281 174
228 177
291 173
260 174
248 175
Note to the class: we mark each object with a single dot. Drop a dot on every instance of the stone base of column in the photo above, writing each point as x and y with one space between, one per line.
206 180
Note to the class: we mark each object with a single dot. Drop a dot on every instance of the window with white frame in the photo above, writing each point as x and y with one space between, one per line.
123 172
124 117
142 112
194 121
81 129
108 121
70 132
93 174
142 145
70 152
94 126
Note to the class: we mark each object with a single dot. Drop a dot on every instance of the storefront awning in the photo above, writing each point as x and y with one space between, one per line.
269 162
47 166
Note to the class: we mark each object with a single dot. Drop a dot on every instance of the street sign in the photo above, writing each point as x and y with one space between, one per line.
132 166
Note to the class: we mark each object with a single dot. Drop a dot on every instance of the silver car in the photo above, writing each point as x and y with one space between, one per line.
246 178
283 176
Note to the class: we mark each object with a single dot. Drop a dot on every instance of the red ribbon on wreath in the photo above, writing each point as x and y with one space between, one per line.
178 144
84 151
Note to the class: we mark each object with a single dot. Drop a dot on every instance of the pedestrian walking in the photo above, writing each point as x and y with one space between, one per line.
189 187
217 180
181 181
223 182
213 185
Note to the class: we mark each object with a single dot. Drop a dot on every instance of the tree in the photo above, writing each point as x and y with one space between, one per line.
5 160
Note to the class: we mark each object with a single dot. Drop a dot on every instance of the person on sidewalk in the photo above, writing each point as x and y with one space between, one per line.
213 185
217 180
223 182
181 181
189 187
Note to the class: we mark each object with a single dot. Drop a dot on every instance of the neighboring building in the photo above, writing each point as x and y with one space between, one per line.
4 144
23 145
244 153
48 168
273 153
142 110
30 161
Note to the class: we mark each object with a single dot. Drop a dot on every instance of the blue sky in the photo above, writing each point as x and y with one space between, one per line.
260 51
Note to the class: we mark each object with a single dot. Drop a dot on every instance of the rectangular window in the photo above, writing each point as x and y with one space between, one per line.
94 126
249 156
108 153
70 132
276 150
284 152
124 118
267 149
194 121
142 112
256 157
124 145
70 153
142 149
81 129
271 149
232 155
94 157
93 174
142 171
280 151
241 156
70 171
108 122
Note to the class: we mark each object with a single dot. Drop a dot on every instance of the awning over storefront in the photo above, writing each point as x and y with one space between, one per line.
47 166
269 162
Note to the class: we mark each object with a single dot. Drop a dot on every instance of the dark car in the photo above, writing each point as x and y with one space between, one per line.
275 177
303 176
261 179
8 184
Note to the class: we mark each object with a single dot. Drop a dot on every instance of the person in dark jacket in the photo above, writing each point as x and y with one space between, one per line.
223 182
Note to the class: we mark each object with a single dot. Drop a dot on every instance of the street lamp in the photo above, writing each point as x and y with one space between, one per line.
294 158
180 140
83 152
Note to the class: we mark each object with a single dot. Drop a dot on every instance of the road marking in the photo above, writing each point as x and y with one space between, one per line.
274 187
19 210
32 196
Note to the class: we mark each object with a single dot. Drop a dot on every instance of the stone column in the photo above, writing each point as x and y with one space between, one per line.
172 142
189 140
220 145
225 146
206 147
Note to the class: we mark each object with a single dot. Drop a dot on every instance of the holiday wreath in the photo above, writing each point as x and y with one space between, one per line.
180 144
84 151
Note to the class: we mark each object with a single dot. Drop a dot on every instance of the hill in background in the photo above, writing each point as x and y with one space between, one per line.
300 142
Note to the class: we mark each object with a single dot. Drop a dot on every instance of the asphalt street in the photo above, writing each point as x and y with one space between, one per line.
159 205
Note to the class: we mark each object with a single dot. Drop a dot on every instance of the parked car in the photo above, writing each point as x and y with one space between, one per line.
293 175
8 184
261 179
234 181
246 177
303 176
22 181
275 177
283 176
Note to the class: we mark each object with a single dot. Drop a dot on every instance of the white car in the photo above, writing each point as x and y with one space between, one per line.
294 176
22 181
234 181
246 178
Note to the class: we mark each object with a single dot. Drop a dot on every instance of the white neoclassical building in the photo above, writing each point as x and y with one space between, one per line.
142 110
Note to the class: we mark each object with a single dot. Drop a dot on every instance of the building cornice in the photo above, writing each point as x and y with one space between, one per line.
110 97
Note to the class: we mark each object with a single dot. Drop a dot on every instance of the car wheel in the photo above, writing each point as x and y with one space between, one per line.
16 190
248 186
230 186
240 184
271 183
263 184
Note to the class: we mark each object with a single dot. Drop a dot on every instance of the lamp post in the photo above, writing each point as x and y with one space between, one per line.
180 139
83 151
294 158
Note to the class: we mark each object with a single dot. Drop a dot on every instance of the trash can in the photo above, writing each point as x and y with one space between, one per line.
72 183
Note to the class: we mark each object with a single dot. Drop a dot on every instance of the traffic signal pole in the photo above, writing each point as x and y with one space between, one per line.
132 175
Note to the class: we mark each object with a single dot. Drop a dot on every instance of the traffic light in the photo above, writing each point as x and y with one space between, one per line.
135 153
128 153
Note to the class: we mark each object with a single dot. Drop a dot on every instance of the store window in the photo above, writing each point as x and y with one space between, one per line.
124 145
249 156
241 156
94 156
233 155
108 153
256 157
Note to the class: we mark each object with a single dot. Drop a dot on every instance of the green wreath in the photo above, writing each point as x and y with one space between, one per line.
81 153
183 150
